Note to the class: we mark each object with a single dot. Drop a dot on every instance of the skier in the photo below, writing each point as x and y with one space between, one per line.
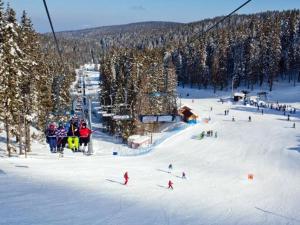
233 119
82 121
73 137
288 118
216 135
51 137
84 133
61 137
126 177
249 119
170 184
170 168
262 112
208 133
75 119
294 125
183 175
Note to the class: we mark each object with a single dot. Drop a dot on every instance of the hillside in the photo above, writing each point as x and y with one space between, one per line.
245 49
98 32
81 190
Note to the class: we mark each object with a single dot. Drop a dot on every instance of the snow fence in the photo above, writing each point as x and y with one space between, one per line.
166 134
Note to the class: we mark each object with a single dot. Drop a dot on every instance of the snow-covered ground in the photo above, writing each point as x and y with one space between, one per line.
77 189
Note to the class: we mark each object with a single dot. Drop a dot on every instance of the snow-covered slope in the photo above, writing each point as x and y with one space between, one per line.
76 189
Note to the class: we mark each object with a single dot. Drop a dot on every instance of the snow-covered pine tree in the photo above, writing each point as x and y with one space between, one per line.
251 55
274 45
28 42
2 78
201 67
12 61
222 50
45 102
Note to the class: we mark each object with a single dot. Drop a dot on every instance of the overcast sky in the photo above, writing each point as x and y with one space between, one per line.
80 14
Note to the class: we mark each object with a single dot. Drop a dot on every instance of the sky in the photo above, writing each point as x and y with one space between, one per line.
79 14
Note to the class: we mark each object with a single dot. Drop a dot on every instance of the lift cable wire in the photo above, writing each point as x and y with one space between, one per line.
60 78
53 32
218 22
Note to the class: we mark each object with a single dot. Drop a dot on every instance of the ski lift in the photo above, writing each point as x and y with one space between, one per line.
122 112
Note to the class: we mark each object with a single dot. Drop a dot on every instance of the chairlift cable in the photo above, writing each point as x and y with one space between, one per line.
57 47
52 29
219 21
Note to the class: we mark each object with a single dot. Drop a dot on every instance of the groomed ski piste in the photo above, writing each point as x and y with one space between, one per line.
89 190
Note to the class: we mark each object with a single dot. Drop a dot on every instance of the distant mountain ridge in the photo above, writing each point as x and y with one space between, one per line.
123 28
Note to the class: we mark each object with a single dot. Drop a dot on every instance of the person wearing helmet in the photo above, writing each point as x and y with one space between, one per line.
61 137
51 137
84 133
73 137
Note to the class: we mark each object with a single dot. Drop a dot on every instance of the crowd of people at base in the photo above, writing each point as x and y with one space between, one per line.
76 134
278 107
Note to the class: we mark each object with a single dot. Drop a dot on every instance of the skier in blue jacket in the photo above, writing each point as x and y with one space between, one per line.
51 137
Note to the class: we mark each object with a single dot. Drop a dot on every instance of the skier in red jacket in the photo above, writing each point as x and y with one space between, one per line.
126 178
84 133
170 185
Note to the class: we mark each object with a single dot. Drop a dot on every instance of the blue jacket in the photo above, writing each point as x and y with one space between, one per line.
51 133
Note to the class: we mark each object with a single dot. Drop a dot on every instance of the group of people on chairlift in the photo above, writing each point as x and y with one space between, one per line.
75 133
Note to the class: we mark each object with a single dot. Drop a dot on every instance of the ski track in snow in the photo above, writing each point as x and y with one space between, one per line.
76 189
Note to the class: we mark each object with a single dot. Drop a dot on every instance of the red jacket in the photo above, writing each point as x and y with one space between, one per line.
126 176
85 132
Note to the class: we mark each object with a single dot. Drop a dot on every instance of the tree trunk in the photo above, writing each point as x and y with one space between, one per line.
20 134
27 136
271 85
7 136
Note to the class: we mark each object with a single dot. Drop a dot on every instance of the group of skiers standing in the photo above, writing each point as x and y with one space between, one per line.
76 135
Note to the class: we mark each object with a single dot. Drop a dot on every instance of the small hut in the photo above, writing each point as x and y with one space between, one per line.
187 114
238 96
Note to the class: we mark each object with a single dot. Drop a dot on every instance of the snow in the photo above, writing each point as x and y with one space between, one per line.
77 189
